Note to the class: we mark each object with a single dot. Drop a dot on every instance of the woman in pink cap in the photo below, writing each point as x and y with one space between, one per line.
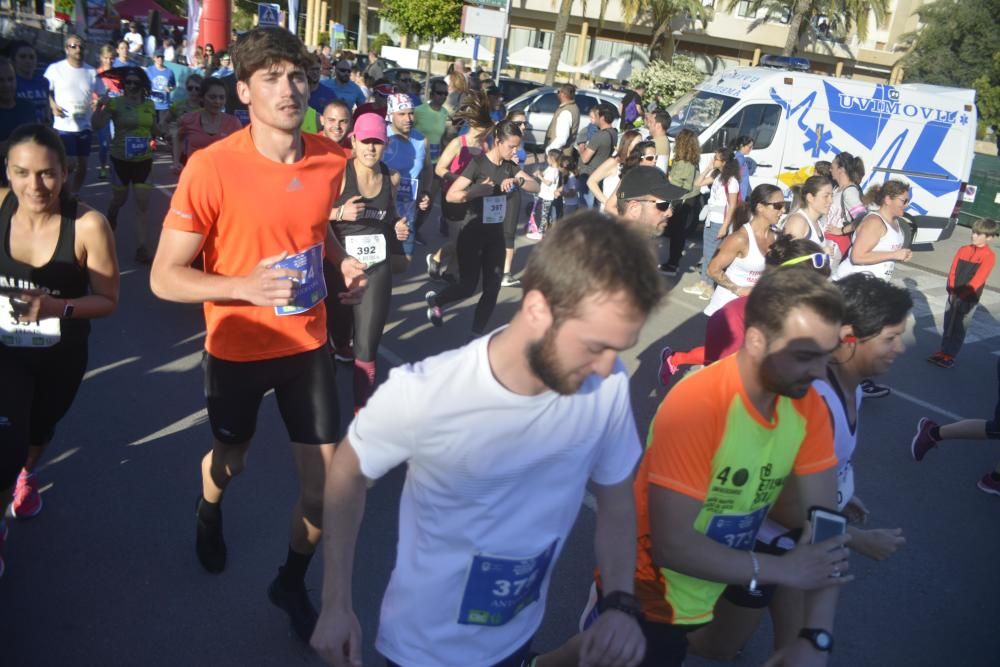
367 225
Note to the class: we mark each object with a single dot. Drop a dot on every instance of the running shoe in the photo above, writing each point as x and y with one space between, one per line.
209 543
989 484
509 281
668 270
871 390
3 543
434 314
697 289
945 361
102 173
301 612
344 354
706 295
923 441
934 357
27 500
534 236
433 268
667 367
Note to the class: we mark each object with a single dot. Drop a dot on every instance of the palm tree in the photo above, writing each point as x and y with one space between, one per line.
660 15
363 26
558 39
847 17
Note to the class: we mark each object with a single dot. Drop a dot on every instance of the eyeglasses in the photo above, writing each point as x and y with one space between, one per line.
819 260
660 205
906 201
522 123
648 158
776 205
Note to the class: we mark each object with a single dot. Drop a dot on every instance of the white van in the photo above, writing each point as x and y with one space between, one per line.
918 133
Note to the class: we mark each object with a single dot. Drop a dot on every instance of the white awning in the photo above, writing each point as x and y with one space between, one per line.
608 68
530 56
458 48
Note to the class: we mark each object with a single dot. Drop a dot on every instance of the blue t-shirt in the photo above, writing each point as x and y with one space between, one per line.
221 72
349 92
23 113
408 158
320 97
35 91
123 63
162 81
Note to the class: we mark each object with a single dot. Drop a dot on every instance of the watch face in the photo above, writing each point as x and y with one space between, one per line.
823 640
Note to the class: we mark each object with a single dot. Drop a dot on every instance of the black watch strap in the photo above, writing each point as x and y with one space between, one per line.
620 601
820 639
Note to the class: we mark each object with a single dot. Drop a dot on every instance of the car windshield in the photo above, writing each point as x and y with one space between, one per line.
697 110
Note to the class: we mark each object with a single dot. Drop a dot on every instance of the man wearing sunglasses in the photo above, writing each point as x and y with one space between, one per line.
644 197
346 90
73 87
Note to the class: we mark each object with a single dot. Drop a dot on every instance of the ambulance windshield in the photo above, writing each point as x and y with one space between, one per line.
697 110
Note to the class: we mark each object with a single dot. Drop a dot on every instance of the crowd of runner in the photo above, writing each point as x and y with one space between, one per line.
306 182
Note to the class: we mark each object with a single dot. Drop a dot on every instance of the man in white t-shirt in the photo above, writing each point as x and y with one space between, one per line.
501 438
134 38
73 84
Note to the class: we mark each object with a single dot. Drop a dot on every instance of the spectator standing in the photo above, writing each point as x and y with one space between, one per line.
742 146
133 38
600 147
373 71
31 85
565 122
659 124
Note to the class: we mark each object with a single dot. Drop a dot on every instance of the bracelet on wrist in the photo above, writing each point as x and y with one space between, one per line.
753 586
620 601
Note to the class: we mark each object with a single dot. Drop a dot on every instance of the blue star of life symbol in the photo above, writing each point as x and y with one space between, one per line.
964 119
818 140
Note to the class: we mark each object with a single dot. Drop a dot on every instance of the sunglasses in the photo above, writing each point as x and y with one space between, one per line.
648 158
776 205
818 259
77 45
660 205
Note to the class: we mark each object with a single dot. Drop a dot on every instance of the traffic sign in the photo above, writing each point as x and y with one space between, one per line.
499 4
268 14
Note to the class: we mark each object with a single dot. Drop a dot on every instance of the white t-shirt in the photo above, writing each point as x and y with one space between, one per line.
717 200
490 474
548 192
134 40
73 89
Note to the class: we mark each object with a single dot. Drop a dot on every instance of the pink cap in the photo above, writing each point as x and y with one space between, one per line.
370 126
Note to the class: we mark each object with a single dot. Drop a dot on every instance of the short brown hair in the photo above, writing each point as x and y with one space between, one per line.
987 226
779 292
590 253
262 48
568 89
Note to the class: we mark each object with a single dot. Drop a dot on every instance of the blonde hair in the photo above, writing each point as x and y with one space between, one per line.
457 82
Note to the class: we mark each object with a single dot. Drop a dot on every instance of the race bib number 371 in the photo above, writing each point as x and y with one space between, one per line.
499 588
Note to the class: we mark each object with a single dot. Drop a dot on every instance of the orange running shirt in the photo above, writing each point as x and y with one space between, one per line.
249 207
708 442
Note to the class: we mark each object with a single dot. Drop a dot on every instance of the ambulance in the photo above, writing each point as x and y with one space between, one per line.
918 133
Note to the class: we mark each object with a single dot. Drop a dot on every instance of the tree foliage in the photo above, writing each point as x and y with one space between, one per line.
844 18
956 44
664 83
424 19
988 93
660 15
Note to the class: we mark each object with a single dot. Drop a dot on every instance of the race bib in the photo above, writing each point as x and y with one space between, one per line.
80 109
499 588
45 333
736 531
494 209
136 147
407 190
369 249
312 288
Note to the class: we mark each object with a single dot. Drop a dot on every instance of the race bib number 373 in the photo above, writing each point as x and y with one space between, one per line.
499 588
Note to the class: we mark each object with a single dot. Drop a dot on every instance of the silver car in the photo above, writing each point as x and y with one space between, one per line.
540 104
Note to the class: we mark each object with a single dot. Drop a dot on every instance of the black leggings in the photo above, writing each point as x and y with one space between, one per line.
480 249
368 317
38 388
677 229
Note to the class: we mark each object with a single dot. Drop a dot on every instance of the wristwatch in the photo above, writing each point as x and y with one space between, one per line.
68 310
820 639
620 601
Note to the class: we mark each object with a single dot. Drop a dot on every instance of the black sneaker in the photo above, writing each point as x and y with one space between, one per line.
434 314
209 544
871 390
668 270
301 612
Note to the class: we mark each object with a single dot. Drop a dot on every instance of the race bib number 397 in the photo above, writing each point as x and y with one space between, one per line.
499 588
494 209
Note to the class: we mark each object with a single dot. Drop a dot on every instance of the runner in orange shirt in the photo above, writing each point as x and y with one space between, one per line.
256 206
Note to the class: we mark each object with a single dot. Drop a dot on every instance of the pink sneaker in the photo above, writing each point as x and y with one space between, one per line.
27 501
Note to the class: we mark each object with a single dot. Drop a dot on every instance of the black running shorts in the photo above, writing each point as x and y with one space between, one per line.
304 385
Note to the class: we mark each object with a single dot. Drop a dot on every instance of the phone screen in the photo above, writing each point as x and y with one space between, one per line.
825 526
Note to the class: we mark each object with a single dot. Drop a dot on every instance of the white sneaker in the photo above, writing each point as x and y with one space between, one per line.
697 289
534 236
509 281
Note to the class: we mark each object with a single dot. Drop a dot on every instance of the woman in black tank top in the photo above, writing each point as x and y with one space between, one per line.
58 270
369 228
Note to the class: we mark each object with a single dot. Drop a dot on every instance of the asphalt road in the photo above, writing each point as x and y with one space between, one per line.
106 575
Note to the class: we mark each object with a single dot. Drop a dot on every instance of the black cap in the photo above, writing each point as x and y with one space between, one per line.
645 181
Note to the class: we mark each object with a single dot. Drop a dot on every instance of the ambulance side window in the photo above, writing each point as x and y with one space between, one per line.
759 121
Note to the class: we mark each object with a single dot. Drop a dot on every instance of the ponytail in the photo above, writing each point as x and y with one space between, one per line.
877 194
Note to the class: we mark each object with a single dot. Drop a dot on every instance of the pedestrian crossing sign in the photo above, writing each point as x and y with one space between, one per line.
268 14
